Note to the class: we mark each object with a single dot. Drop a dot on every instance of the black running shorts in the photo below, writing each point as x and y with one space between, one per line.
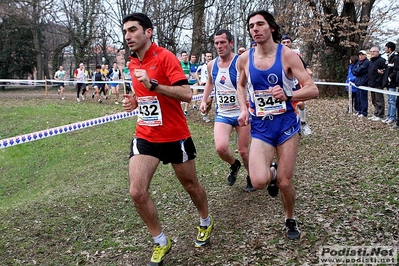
170 152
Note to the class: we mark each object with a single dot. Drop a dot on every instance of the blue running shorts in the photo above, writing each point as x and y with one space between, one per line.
275 129
233 121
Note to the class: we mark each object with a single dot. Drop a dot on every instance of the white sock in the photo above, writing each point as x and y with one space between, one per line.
302 115
161 239
205 222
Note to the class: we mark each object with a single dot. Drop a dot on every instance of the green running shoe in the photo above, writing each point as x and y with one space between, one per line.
204 234
159 253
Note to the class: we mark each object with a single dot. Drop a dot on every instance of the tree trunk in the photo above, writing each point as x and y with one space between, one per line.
198 28
58 55
344 35
39 57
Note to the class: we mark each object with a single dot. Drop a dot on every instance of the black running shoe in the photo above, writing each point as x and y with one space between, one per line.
292 228
272 188
92 96
231 179
249 187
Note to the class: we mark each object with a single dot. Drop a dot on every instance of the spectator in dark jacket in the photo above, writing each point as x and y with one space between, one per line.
390 81
360 70
376 71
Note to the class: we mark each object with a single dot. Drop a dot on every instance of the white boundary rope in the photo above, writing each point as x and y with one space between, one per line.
9 142
25 138
31 82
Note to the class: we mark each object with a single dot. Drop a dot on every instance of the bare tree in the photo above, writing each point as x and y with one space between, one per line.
341 29
33 14
172 21
328 32
114 13
39 10
16 48
82 20
204 26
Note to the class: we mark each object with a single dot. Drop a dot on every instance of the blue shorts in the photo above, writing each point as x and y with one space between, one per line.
275 129
114 84
233 121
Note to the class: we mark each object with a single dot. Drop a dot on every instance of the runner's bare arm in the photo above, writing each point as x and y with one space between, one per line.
182 92
242 62
294 67
208 87
242 82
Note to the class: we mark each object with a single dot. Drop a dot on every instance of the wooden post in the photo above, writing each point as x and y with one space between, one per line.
124 84
350 98
45 86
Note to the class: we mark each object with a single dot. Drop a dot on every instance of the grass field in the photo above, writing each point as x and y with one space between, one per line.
64 200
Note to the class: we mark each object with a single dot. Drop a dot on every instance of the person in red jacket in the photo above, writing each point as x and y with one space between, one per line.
162 132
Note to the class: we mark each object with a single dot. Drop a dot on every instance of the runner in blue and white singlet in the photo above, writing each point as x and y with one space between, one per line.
265 109
223 78
267 71
225 83
261 102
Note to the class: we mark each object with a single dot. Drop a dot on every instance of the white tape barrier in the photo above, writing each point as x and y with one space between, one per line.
29 82
49 82
21 82
17 82
359 87
56 82
13 141
351 84
9 142
378 90
330 83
